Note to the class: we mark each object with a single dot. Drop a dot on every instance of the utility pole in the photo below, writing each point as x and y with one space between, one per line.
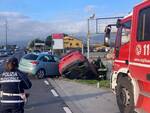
88 40
88 35
6 32
82 48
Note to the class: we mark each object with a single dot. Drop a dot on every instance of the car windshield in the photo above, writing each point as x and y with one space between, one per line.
31 57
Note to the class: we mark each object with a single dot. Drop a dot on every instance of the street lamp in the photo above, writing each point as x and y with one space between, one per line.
88 35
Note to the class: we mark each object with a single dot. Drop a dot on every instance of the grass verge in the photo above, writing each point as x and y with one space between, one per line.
102 83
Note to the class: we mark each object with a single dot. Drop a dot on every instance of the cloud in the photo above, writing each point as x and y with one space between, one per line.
90 8
69 26
12 15
21 27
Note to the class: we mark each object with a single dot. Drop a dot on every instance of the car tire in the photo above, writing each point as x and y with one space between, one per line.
124 95
40 74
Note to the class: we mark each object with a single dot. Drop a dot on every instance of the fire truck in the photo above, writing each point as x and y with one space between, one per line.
130 78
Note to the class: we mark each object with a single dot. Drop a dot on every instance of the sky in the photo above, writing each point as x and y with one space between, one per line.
28 19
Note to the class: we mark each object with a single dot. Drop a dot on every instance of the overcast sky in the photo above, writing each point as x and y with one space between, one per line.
29 19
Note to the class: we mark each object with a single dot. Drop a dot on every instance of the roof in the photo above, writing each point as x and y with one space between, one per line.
72 38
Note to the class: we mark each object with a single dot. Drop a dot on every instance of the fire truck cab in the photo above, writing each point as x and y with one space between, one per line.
130 78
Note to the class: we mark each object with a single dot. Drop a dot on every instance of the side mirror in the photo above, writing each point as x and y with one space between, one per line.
118 24
107 35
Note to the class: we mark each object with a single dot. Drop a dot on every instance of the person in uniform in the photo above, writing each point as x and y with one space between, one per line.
12 86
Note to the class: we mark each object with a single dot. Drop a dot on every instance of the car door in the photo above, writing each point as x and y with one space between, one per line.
52 65
43 63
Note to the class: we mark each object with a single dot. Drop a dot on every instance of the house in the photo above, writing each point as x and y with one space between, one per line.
72 43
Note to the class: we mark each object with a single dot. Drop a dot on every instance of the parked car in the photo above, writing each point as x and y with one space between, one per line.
9 52
39 65
74 65
3 53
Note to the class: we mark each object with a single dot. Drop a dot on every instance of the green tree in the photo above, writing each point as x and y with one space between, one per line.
49 41
32 43
65 34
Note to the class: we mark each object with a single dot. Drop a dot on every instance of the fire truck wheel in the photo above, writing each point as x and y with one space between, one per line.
124 95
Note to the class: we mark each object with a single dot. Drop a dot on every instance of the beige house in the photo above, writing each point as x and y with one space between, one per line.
72 43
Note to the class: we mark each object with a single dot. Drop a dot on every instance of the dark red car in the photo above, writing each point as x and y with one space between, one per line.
75 65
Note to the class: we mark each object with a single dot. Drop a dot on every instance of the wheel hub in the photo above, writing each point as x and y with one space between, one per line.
41 73
125 97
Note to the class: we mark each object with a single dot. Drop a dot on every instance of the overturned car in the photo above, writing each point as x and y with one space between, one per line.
75 65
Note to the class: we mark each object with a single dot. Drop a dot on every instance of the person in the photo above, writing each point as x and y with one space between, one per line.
100 68
12 86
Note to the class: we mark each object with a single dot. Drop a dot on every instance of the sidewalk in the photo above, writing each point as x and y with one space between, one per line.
84 98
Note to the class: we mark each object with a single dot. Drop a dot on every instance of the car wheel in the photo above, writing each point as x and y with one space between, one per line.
40 74
124 95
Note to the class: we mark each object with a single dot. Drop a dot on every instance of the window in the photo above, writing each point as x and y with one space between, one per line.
77 44
125 36
50 58
31 57
47 58
56 58
127 25
66 42
42 58
144 25
126 32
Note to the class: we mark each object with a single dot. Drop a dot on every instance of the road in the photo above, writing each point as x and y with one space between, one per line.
43 98
18 55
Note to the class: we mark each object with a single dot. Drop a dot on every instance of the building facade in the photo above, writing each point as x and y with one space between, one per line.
72 43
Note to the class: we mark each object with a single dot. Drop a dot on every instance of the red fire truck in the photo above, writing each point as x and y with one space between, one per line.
131 68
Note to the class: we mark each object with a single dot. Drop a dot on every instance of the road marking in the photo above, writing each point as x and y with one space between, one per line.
67 110
54 93
46 82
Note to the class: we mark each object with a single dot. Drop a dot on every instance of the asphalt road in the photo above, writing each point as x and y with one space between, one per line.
18 55
43 98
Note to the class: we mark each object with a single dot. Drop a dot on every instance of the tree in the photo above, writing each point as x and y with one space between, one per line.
49 41
65 34
32 43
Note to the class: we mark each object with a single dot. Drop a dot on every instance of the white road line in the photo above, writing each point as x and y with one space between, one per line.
46 82
54 93
67 110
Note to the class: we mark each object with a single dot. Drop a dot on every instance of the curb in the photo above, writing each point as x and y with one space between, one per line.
67 100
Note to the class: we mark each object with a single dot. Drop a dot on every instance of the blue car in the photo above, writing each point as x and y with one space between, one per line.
39 65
